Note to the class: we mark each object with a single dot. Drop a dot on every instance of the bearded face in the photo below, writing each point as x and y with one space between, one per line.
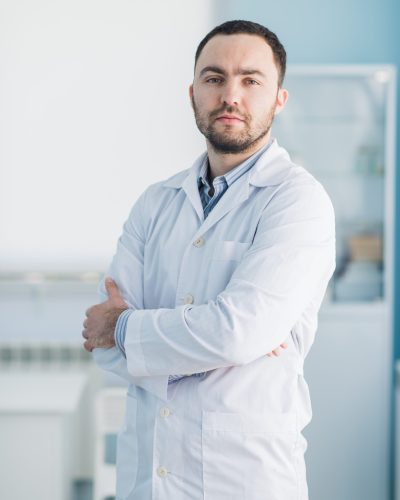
243 134
235 93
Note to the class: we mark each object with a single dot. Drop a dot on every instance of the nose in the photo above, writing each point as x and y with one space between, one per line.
230 94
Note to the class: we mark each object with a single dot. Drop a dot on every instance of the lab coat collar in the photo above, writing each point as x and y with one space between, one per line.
270 169
177 180
187 180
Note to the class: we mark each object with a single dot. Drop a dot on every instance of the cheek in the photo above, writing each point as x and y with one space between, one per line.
206 98
261 108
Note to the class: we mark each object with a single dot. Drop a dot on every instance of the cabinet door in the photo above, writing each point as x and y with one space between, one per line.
338 124
348 372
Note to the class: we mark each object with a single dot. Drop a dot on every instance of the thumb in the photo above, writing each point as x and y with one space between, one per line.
112 289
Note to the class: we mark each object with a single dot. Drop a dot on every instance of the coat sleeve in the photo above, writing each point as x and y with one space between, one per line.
288 266
126 269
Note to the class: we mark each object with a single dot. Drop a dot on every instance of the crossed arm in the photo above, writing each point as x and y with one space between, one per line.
101 319
286 268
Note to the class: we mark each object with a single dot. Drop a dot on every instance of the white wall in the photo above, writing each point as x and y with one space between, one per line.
94 107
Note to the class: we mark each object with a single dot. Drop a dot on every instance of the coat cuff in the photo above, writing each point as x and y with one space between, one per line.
133 344
120 330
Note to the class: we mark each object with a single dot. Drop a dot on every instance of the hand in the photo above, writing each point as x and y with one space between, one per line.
276 351
101 319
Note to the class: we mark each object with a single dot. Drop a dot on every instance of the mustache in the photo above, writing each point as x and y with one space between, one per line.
230 110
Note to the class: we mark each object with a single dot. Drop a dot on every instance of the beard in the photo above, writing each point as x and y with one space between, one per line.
227 141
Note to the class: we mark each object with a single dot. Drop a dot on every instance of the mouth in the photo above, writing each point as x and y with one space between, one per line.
228 119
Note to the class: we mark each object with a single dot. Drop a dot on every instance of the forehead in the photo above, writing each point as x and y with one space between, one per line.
234 51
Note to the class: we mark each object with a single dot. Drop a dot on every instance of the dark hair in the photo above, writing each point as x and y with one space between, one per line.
248 27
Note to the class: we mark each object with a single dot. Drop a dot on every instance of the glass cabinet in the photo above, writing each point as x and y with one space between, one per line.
339 123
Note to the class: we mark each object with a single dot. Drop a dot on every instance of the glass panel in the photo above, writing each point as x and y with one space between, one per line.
334 126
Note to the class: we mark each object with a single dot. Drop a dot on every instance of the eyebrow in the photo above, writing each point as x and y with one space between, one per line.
241 71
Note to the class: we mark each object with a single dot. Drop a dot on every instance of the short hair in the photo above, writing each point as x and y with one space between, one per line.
251 28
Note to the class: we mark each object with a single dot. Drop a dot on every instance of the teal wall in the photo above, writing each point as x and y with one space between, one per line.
322 31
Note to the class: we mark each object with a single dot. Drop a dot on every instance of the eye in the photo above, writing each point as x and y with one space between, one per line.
250 81
214 79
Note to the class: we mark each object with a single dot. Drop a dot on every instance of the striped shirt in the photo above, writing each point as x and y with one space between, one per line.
221 183
210 196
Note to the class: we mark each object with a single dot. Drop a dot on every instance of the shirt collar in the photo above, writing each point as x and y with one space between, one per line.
233 174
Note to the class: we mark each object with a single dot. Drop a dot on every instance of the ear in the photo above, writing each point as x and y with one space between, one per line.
191 94
281 100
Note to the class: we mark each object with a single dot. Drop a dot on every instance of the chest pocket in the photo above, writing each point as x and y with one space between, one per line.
230 250
225 258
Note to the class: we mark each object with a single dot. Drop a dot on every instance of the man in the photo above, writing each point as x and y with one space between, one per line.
217 266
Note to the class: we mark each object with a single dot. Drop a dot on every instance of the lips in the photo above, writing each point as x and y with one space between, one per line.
229 118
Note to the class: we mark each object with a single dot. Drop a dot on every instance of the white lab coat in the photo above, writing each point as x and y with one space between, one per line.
216 296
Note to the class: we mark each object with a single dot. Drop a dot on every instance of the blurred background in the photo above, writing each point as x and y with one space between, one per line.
94 107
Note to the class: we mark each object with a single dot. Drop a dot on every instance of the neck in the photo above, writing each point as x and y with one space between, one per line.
221 163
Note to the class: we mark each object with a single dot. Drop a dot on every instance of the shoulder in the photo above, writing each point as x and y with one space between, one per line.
176 180
287 182
157 197
157 189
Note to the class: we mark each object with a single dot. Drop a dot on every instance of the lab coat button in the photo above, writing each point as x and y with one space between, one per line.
199 242
162 471
189 299
164 411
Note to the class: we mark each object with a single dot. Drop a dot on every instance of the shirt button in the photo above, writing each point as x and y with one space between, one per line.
162 471
199 242
164 411
189 299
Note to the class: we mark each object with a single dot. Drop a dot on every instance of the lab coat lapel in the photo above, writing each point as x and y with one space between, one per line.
190 186
270 169
233 196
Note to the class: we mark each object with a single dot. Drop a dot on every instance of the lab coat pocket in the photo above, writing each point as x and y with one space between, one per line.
225 258
127 456
249 457
230 250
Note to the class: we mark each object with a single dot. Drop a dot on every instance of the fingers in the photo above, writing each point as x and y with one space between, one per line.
276 352
85 334
90 310
85 331
88 346
112 289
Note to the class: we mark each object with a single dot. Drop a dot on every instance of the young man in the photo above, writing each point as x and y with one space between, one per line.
216 267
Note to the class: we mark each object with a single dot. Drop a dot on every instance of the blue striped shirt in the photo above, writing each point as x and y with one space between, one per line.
221 183
210 196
